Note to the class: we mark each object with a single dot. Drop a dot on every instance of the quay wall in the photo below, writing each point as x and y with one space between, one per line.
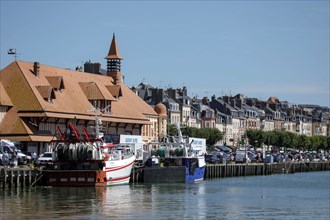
19 177
235 170
31 177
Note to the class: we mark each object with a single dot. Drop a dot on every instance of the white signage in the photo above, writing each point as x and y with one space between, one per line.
130 139
198 144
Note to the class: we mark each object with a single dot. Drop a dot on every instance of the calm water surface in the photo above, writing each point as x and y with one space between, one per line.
290 196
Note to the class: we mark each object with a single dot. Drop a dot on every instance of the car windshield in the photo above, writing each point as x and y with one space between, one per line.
48 155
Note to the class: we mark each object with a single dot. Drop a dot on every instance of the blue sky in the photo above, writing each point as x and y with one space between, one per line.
256 48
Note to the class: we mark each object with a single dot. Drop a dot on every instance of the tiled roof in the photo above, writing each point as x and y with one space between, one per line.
115 90
56 82
46 91
70 92
93 91
4 98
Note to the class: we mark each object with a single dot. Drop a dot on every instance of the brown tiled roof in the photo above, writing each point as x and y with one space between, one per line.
27 93
93 92
46 92
56 82
4 98
273 100
113 51
114 90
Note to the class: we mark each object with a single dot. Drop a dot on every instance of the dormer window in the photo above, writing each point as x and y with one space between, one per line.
47 93
99 97
56 82
115 90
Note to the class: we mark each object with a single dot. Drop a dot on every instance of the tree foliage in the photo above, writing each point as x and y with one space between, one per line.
288 139
212 135
171 130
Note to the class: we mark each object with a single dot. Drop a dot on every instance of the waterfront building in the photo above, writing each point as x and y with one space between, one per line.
207 115
273 108
154 96
252 117
223 127
37 100
181 97
195 117
233 115
174 112
233 121
290 125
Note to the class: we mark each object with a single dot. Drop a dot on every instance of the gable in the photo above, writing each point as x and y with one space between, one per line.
115 90
56 82
46 92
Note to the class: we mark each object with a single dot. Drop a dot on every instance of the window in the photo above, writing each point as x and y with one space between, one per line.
103 105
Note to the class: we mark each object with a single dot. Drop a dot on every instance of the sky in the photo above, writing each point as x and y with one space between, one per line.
255 48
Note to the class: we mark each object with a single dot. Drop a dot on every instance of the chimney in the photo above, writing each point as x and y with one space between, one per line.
213 97
36 68
205 100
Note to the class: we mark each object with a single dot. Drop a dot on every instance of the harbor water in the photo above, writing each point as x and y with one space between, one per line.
279 196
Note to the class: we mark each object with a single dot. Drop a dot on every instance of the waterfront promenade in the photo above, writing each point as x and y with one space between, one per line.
28 177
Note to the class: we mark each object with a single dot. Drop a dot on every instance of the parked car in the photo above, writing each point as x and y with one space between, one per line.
45 159
215 158
21 157
13 152
243 156
224 149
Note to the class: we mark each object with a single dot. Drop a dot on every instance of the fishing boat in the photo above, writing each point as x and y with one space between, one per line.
177 160
79 160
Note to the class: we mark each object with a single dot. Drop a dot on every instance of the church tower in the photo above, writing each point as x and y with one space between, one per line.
114 62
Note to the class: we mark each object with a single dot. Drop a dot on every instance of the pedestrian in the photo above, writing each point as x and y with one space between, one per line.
5 159
15 158
34 156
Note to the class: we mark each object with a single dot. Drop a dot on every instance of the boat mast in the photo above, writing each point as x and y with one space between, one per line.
98 134
181 141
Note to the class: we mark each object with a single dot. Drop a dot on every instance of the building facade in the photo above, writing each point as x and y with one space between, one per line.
38 101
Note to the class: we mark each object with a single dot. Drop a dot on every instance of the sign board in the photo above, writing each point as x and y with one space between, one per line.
198 145
136 142
130 139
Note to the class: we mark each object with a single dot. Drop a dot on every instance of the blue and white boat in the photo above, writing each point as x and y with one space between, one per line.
177 160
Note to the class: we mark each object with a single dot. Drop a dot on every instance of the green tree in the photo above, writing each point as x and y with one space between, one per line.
294 140
328 143
315 143
212 135
323 143
171 130
256 137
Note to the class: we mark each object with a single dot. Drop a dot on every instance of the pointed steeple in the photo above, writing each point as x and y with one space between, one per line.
113 51
114 62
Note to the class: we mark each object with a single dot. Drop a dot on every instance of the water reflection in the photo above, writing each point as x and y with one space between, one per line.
267 197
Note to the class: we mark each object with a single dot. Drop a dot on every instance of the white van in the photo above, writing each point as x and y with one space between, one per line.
11 149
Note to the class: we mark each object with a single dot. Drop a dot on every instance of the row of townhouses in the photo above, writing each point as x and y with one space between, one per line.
38 101
233 115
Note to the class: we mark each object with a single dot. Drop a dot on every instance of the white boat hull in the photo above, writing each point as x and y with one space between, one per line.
117 172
